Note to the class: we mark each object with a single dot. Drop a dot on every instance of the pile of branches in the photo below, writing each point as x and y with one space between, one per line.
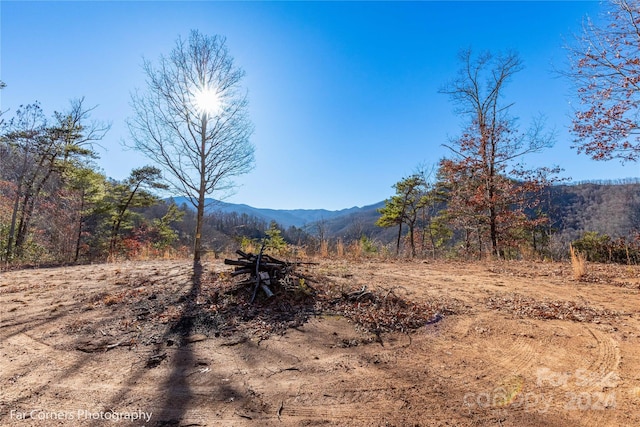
384 311
524 306
226 304
265 272
377 311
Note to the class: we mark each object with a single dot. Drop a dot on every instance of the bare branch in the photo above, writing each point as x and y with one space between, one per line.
605 72
200 150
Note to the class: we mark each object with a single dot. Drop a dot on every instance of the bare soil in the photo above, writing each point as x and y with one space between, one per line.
362 343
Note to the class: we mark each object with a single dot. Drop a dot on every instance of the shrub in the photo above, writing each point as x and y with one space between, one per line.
602 248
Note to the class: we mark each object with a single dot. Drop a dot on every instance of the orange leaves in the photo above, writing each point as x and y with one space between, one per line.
608 86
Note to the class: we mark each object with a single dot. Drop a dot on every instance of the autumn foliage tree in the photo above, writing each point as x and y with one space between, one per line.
605 69
490 193
39 151
55 204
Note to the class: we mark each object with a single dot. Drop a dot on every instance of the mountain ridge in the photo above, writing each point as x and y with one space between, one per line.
284 217
606 207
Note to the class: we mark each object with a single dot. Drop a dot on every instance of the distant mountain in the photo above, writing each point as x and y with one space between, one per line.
609 207
358 223
285 217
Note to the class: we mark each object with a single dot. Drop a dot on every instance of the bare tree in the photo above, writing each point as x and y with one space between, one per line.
490 184
605 70
193 121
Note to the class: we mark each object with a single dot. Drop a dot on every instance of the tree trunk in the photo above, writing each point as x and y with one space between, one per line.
494 230
432 238
23 224
197 246
29 206
399 237
80 222
413 244
115 228
12 228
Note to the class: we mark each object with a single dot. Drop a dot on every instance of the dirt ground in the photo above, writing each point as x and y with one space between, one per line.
491 343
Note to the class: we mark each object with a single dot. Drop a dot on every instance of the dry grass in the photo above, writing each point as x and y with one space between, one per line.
355 249
340 248
578 264
324 248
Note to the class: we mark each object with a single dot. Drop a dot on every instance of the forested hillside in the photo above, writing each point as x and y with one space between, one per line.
609 208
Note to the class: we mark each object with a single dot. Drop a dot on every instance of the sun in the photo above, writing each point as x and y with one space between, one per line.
207 101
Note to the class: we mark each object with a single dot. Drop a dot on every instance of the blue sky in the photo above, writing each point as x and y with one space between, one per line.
343 95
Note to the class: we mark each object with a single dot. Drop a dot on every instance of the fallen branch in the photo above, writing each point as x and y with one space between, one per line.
264 271
280 408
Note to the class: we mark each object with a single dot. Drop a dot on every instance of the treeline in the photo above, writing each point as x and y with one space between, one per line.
56 206
48 183
480 201
601 220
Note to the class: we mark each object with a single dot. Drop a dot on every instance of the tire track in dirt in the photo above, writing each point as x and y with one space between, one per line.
608 358
574 385
343 405
500 350
593 397
506 372
509 380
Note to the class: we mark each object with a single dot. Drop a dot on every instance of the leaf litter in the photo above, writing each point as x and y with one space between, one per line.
547 309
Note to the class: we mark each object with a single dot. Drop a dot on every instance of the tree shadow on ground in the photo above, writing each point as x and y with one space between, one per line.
218 308
177 391
173 346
